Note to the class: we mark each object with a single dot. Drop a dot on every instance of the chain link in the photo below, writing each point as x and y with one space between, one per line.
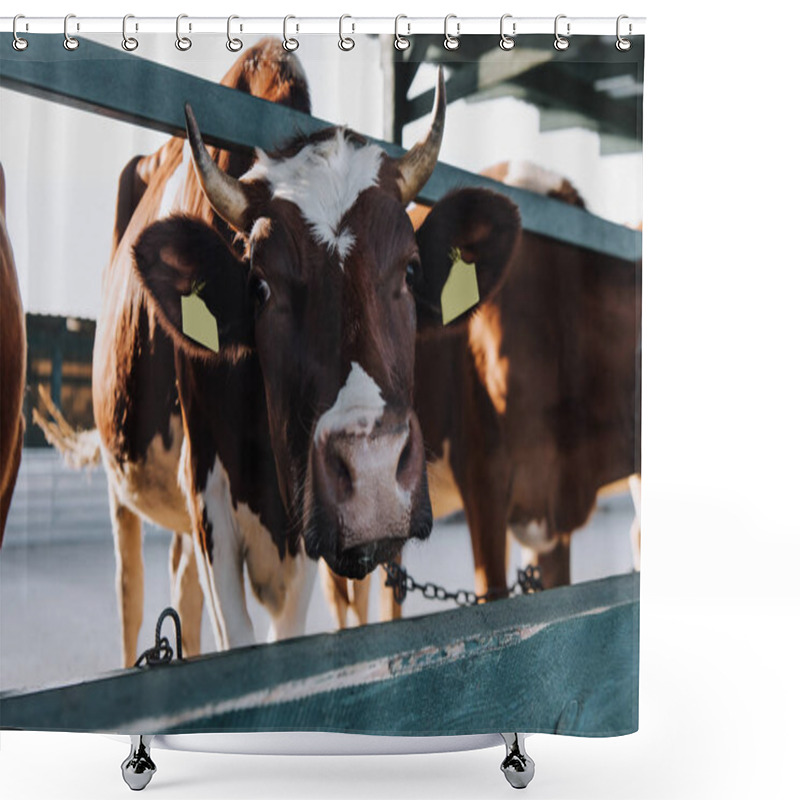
529 580
163 653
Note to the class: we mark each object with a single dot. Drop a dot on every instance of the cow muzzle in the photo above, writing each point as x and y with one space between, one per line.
370 492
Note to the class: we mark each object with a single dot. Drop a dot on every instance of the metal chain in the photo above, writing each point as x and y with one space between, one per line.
162 653
529 580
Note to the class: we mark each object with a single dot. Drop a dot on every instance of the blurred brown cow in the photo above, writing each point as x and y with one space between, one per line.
12 367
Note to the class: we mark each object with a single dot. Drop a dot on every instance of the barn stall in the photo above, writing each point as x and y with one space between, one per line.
427 657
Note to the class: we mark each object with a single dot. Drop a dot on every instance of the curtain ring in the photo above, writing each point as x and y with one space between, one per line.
183 43
400 42
560 42
623 44
233 44
345 42
451 42
129 43
70 42
289 43
19 44
507 42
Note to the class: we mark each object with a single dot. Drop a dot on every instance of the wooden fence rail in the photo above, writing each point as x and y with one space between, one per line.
563 661
114 83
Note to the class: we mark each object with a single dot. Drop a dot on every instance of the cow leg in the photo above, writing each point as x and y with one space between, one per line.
334 587
127 529
551 553
186 591
554 563
290 621
359 598
222 578
486 508
344 593
635 482
390 609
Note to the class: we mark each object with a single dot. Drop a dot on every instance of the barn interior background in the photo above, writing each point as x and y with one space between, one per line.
57 564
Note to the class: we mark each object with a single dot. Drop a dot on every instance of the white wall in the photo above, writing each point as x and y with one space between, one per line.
62 164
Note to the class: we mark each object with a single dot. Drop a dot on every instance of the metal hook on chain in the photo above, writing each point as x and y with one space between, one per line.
162 653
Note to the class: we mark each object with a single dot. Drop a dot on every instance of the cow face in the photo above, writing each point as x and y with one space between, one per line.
327 296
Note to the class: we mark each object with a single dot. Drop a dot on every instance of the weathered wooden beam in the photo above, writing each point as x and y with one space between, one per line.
111 82
563 661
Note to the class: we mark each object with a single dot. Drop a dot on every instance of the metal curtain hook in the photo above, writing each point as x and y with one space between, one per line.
451 42
182 42
289 43
345 42
622 43
400 42
560 42
129 43
19 43
70 43
233 44
506 41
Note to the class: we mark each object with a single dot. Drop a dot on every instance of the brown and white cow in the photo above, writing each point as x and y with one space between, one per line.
535 406
518 408
12 367
134 386
321 313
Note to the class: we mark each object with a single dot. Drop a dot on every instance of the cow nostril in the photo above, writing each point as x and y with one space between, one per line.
405 457
342 476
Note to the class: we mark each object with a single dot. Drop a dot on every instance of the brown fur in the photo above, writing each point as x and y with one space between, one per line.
12 368
566 325
134 380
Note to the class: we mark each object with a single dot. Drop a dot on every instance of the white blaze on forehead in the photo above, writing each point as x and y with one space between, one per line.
358 406
323 180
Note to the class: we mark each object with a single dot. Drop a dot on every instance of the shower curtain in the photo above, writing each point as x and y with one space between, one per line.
336 353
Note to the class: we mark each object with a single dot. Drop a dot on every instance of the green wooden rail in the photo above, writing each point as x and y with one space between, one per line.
563 661
111 82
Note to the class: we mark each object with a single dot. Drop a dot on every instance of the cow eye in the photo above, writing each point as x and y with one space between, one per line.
413 271
263 293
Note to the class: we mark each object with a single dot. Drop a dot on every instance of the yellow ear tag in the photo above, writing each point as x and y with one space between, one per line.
198 322
460 291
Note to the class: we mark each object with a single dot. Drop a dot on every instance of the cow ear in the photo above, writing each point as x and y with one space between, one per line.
179 257
483 226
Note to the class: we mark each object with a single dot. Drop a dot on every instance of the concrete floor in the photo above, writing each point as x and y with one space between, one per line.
58 614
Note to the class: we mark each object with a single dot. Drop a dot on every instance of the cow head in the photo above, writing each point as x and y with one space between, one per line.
326 293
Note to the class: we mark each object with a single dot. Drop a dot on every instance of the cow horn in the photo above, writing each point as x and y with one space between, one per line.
224 193
416 166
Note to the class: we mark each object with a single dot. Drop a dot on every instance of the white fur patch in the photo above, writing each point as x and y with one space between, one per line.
359 405
225 574
323 180
148 486
535 537
525 175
